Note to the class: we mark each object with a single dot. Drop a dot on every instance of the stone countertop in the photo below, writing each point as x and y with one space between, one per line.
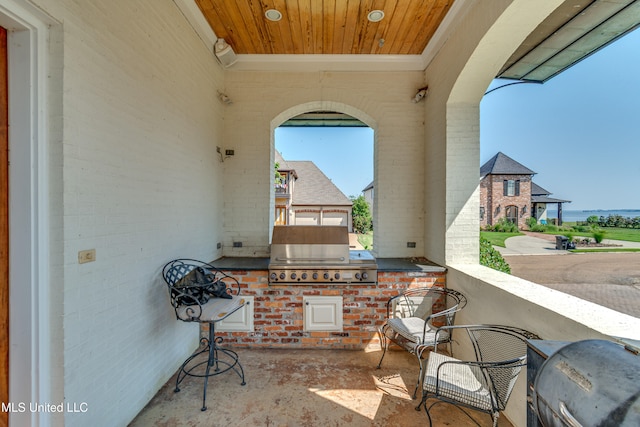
384 264
408 264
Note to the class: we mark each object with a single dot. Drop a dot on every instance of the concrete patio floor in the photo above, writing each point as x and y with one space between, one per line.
305 388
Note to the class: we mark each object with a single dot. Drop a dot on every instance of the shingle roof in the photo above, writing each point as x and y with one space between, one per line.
536 190
368 187
501 164
545 199
314 188
282 163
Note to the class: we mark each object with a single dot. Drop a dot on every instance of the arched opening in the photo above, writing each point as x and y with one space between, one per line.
511 213
324 170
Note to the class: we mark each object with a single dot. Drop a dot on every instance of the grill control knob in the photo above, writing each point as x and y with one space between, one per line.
315 276
293 276
304 276
273 276
357 276
365 276
337 276
282 276
326 276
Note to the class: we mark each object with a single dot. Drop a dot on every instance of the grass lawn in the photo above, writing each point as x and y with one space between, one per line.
626 234
497 238
366 240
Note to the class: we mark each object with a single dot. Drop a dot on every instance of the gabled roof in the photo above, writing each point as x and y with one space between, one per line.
368 187
501 164
536 190
283 165
314 188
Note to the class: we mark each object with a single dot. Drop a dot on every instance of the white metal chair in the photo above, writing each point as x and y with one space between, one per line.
413 318
197 302
484 384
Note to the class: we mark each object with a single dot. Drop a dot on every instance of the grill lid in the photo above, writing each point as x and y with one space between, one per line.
591 382
309 244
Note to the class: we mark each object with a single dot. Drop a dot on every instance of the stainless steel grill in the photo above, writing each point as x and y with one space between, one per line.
589 383
306 255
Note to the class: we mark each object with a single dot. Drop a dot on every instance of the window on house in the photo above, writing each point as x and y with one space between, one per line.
511 187
511 212
481 213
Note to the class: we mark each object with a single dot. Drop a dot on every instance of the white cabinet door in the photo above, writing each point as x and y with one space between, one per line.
322 313
241 320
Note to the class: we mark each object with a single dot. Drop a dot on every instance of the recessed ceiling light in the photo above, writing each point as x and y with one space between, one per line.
273 15
375 16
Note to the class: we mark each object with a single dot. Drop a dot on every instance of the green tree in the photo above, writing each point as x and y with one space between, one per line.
279 179
362 221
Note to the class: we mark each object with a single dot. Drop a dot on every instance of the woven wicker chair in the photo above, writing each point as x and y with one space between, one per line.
483 384
413 318
190 306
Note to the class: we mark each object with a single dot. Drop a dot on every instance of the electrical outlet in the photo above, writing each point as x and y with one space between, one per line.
86 256
229 152
219 245
411 244
237 244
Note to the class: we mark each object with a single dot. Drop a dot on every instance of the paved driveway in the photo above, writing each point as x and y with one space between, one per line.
607 278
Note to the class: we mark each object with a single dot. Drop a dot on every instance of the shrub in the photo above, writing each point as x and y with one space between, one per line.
533 225
505 226
491 258
593 220
598 235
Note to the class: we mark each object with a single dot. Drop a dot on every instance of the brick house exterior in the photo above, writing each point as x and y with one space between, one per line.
505 191
307 196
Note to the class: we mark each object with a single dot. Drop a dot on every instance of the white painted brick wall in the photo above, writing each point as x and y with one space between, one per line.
458 77
385 98
142 184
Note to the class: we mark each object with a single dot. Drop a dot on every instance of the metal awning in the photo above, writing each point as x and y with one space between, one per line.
577 29
324 118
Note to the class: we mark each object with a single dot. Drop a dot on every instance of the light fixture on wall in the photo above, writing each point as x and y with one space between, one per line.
524 209
497 209
225 53
422 93
224 98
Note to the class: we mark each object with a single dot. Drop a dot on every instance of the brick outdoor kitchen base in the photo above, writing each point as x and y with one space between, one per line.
278 309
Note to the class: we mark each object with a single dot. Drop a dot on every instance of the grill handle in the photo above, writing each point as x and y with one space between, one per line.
566 415
310 259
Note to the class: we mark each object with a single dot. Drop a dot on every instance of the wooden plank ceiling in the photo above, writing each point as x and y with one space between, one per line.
325 26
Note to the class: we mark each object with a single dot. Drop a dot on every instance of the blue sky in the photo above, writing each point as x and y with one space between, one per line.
580 131
345 155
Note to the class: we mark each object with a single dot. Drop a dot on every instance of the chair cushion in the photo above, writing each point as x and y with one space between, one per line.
214 310
456 382
412 329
